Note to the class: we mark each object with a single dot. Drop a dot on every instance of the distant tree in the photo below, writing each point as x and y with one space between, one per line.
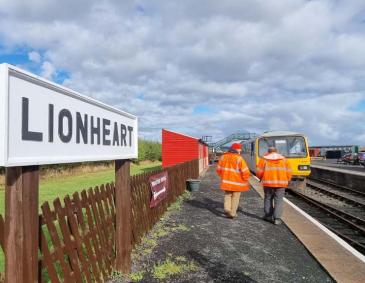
149 150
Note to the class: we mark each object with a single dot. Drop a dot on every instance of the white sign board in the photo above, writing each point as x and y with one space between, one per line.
44 123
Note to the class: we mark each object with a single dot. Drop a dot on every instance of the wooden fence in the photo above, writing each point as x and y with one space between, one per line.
77 236
143 217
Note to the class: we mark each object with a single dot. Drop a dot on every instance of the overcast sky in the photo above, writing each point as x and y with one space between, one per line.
203 67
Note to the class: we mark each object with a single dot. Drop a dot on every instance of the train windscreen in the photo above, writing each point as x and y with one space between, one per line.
287 146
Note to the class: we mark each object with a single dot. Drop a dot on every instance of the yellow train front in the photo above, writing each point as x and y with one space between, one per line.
293 146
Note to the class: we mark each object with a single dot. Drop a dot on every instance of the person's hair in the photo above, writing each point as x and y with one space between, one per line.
271 149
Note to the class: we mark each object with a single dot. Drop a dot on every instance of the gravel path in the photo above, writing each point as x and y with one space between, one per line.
246 249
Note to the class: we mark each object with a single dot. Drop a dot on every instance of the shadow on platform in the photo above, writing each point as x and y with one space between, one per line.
216 207
220 272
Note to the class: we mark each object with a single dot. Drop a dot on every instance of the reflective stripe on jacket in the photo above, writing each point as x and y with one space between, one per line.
274 171
234 172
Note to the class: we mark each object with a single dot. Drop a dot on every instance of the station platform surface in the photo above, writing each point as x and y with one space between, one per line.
334 166
340 260
245 249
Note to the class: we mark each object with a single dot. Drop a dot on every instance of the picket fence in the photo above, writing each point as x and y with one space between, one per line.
77 236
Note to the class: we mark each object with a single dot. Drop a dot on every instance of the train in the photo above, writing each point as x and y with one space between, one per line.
292 145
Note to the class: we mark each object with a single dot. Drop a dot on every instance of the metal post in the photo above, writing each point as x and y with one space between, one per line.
123 216
21 224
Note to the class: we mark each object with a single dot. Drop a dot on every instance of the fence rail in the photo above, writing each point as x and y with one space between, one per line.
144 217
77 236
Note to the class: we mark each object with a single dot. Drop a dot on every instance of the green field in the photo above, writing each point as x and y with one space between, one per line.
51 188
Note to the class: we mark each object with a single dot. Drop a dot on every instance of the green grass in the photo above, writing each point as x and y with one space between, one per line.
53 187
170 267
161 229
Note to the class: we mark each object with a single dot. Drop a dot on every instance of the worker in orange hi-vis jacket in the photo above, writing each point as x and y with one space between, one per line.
275 174
234 174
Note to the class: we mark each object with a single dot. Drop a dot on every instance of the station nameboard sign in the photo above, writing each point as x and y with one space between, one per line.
45 123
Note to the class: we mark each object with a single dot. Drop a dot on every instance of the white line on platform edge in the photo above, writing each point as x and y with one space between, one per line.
327 231
324 229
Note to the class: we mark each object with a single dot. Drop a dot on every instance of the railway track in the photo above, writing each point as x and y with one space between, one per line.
338 187
343 222
344 198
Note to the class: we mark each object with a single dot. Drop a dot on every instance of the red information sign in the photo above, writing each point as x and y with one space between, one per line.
159 185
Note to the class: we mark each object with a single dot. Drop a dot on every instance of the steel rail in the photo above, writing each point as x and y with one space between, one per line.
339 214
344 188
333 194
356 244
359 246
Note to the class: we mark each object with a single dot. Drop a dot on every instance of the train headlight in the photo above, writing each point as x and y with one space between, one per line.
303 167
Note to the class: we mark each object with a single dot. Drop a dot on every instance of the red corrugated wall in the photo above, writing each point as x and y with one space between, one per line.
206 154
178 148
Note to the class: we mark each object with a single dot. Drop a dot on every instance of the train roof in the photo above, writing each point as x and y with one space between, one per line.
279 134
274 134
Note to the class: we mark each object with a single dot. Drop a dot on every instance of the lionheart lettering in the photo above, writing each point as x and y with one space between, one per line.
81 127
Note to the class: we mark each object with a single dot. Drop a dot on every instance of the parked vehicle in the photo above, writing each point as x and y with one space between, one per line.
361 157
350 158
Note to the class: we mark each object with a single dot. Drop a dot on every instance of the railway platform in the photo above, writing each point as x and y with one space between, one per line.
333 165
340 260
245 249
348 177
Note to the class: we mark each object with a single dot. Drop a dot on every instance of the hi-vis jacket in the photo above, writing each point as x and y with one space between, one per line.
233 172
274 171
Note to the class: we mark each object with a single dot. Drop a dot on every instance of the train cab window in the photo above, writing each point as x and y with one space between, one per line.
287 146
297 147
281 146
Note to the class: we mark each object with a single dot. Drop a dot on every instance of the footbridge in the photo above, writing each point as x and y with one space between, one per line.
231 138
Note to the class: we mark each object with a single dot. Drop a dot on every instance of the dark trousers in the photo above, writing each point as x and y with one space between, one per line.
274 202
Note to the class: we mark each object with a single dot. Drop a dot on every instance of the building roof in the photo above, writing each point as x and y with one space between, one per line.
181 134
331 146
199 140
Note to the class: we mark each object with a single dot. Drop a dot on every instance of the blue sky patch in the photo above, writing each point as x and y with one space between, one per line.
19 57
15 56
13 59
140 96
61 76
202 109
358 107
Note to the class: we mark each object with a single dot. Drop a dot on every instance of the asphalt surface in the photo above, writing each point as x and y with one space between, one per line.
246 249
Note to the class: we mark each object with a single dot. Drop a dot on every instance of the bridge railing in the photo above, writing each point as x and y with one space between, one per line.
233 137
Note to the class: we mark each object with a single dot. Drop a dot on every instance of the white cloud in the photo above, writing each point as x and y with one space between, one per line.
47 70
256 64
34 56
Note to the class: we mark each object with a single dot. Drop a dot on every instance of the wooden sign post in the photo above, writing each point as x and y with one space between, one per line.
123 209
21 224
